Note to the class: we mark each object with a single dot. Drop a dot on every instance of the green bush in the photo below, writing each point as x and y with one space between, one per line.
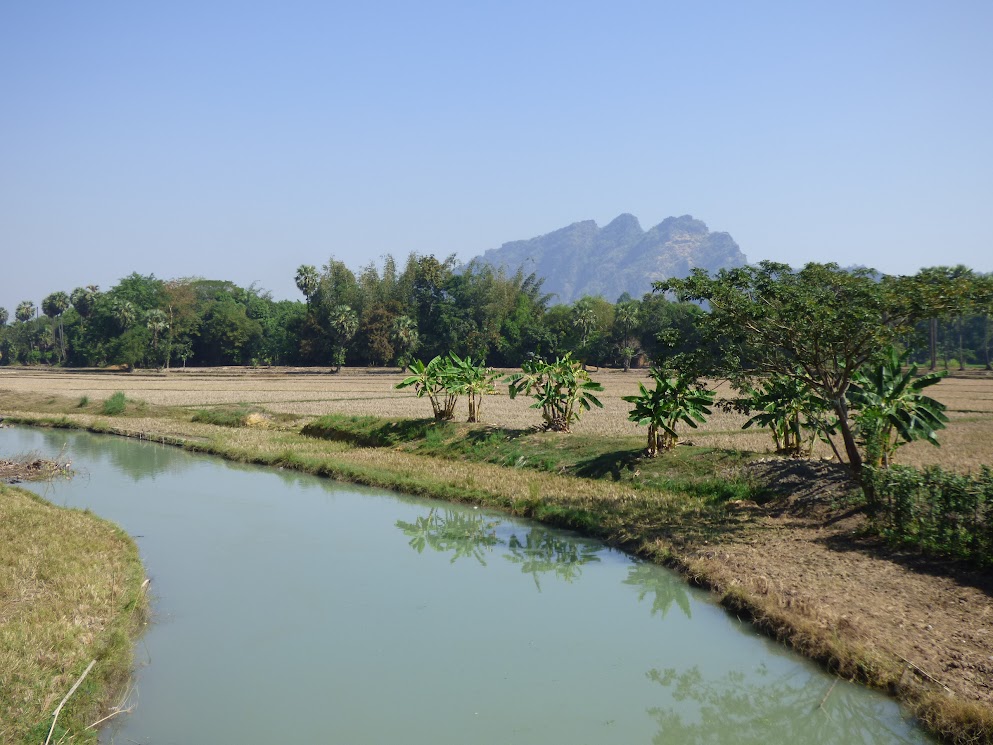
114 405
940 512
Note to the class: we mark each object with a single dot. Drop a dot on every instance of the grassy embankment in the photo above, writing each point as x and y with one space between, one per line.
669 509
70 592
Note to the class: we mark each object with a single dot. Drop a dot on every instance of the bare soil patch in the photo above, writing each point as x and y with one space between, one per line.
811 554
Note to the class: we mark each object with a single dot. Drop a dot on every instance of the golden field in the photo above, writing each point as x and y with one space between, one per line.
967 443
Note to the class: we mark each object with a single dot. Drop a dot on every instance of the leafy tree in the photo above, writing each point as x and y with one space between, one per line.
562 390
674 400
819 325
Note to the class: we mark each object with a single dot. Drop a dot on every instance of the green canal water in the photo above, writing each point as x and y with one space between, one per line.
292 609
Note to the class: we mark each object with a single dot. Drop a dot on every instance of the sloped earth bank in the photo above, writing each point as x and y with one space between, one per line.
810 556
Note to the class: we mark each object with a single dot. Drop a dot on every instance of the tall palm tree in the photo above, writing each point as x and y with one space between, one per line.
4 317
157 322
406 338
84 299
54 306
124 313
307 281
25 311
344 324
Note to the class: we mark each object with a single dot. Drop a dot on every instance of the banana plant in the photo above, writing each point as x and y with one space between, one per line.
792 412
891 409
563 390
435 381
473 380
674 400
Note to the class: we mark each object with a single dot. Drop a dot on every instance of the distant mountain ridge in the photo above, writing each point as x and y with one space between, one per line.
585 259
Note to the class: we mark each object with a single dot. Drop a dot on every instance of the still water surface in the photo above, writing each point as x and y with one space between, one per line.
292 609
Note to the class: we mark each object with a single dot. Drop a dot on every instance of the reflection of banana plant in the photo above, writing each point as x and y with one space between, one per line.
461 533
756 706
543 551
666 588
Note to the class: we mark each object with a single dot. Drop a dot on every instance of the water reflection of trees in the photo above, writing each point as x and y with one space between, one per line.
664 587
463 534
138 460
538 551
541 551
760 708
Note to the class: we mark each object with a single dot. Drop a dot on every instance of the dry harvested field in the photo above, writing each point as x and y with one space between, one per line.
967 443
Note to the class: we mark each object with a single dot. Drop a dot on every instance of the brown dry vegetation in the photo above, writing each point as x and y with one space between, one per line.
70 592
801 565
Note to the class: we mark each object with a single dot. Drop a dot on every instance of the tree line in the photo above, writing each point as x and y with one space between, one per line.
391 315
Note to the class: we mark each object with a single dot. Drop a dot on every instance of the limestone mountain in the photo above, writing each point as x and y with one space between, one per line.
585 259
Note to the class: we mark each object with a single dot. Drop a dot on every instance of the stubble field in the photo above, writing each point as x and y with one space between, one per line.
967 443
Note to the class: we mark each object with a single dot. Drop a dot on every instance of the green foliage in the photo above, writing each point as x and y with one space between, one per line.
939 512
114 405
473 380
674 400
561 389
435 381
892 410
819 324
223 417
791 411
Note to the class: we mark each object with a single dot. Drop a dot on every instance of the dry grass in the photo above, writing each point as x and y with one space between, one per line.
69 593
306 393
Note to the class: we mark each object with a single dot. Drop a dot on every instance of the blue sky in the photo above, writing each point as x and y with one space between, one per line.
238 140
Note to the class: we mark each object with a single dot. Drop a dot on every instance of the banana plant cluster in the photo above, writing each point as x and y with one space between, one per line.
674 400
562 389
791 411
891 409
445 379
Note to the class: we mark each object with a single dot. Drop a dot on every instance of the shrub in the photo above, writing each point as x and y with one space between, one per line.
114 405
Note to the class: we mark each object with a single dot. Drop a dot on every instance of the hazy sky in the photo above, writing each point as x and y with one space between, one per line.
238 140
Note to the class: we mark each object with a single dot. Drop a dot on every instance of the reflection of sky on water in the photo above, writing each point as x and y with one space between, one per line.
356 601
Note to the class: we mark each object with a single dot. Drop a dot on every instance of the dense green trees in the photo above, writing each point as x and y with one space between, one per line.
387 313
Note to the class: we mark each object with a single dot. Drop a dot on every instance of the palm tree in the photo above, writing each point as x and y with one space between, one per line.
124 313
307 281
25 311
83 299
406 338
344 323
156 322
4 317
625 318
54 306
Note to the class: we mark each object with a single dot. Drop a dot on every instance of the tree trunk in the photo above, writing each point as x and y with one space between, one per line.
933 342
851 447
